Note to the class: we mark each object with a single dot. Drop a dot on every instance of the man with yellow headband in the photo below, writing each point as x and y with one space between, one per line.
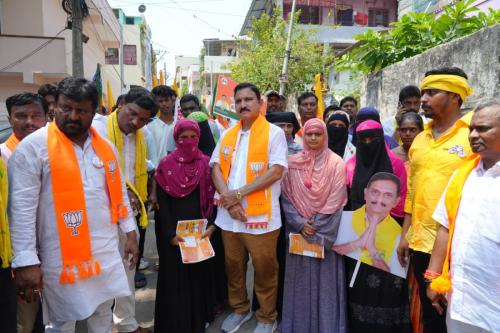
434 155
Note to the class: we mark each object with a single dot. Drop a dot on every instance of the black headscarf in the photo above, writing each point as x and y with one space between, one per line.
370 158
338 136
366 113
284 117
207 142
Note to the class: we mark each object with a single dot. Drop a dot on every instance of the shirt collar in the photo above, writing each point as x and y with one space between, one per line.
493 171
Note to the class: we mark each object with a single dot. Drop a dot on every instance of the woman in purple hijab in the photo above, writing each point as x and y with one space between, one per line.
185 294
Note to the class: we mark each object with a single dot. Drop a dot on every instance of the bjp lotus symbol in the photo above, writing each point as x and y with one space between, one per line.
73 220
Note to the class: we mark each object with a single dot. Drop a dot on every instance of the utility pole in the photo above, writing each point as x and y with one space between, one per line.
76 27
122 77
284 71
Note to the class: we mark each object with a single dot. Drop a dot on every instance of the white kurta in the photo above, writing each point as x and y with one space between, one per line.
32 221
100 124
475 267
278 155
163 137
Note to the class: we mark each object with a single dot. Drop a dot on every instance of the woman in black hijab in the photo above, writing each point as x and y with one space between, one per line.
337 126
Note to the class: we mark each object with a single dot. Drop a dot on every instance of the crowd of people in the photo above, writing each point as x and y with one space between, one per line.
77 186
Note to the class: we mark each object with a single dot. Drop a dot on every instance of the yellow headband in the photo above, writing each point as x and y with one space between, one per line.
452 83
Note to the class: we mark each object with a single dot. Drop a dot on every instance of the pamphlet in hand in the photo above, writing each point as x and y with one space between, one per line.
299 245
194 248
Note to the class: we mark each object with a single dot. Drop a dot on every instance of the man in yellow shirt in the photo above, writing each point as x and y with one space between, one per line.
434 155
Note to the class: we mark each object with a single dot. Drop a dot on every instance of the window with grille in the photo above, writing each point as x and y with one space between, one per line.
129 55
345 16
378 17
308 14
111 56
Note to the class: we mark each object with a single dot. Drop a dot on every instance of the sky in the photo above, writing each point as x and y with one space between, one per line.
179 26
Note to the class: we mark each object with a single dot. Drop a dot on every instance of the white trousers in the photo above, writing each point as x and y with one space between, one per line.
455 326
99 322
124 310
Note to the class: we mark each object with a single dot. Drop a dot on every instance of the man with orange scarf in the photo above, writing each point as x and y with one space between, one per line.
464 270
27 112
67 201
248 164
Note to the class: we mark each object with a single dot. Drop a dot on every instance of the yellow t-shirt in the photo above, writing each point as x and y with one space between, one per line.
432 164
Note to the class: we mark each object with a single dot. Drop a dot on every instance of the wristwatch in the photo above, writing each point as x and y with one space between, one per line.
238 195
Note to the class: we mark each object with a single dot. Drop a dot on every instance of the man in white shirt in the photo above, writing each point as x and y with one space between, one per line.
138 109
248 164
468 213
36 238
162 128
27 113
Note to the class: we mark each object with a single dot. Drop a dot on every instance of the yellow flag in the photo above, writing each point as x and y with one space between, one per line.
155 80
162 78
111 98
319 94
175 88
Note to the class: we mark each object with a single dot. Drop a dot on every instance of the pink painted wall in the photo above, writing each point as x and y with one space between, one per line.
359 6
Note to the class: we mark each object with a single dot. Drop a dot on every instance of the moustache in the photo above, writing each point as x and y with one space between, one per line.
244 109
75 123
381 204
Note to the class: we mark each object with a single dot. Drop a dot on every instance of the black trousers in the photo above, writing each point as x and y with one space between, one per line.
142 239
433 322
8 302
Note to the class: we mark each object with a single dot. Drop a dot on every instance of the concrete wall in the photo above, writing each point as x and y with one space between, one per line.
477 54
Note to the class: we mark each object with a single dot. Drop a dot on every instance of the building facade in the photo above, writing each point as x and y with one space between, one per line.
333 23
437 6
36 46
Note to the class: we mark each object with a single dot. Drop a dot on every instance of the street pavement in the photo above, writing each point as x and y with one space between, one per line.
145 297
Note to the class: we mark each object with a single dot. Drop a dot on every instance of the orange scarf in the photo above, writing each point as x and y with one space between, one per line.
12 142
69 201
442 284
259 202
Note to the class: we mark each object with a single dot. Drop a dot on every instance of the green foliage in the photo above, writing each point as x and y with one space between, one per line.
184 89
414 34
261 57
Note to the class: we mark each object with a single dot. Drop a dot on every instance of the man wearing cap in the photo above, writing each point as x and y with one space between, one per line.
273 102
434 155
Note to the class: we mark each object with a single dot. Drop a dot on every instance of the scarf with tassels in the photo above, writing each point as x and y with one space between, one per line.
5 246
140 186
69 201
442 284
259 202
12 142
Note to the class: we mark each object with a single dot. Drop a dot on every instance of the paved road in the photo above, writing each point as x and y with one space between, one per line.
145 297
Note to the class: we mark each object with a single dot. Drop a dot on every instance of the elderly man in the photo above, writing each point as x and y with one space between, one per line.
247 176
434 155
67 201
465 253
